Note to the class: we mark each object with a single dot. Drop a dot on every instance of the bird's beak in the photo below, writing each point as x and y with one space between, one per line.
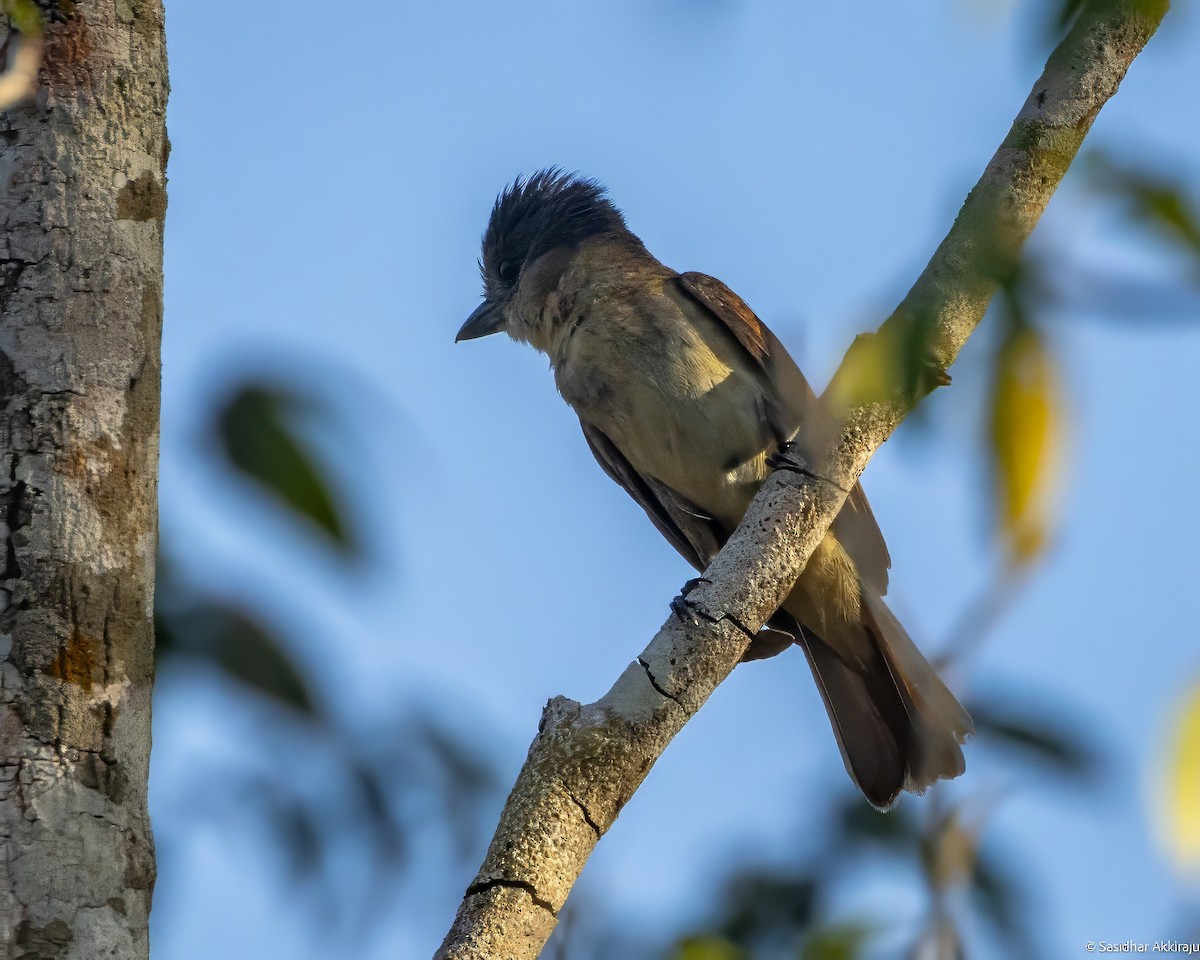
487 319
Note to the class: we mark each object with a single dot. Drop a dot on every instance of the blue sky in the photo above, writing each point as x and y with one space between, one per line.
330 177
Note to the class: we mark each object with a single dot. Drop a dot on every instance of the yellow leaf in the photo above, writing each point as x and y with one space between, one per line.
894 364
869 375
1181 809
1026 429
707 948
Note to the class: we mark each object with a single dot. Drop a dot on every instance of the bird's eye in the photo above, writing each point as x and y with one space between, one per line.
508 271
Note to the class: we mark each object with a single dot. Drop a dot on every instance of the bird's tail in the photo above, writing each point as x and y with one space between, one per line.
898 726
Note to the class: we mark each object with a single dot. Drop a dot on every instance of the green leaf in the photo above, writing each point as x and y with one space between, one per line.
837 941
1152 198
996 895
707 948
1037 737
301 836
464 775
1003 904
897 829
240 647
894 363
191 625
25 16
765 905
258 438
1068 10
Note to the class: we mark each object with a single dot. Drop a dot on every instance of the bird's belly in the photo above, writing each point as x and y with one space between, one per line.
696 430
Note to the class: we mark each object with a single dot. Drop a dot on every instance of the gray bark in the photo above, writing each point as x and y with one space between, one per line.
587 760
82 197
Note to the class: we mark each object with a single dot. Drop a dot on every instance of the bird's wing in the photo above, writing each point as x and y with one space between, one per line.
855 527
788 390
732 311
693 533
858 531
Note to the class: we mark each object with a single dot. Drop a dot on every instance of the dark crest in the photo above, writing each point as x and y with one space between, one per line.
549 209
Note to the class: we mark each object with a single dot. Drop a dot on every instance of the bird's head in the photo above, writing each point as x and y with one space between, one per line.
550 212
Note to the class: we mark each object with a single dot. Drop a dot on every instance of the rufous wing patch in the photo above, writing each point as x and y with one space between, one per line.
732 311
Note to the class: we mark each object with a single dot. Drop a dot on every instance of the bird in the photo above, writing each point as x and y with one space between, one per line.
685 396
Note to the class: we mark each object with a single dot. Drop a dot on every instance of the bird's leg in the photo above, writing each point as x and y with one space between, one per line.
683 610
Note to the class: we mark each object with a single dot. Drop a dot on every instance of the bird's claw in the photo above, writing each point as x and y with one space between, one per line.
784 459
680 606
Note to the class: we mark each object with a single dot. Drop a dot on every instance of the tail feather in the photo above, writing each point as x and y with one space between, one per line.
939 723
868 719
897 725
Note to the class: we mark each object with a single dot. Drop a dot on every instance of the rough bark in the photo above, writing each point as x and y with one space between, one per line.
587 760
82 197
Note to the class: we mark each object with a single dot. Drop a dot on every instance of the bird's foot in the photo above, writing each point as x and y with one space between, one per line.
680 607
786 458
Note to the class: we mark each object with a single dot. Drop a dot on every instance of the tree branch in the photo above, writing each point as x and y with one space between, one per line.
587 760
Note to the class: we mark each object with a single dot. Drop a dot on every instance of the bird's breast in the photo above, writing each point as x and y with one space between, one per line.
675 408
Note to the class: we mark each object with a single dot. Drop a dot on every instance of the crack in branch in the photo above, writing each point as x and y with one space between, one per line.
737 623
583 809
485 885
654 684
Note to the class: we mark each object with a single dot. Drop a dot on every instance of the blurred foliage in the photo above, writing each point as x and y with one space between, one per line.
24 16
1151 199
385 782
234 640
22 46
895 361
1060 16
1026 434
1022 727
837 941
1181 792
969 884
257 429
706 948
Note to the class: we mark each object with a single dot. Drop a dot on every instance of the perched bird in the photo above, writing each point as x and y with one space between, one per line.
683 395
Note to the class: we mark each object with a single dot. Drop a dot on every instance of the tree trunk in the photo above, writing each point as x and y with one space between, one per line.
82 196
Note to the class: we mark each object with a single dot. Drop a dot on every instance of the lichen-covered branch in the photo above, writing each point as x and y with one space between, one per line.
587 760
82 199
